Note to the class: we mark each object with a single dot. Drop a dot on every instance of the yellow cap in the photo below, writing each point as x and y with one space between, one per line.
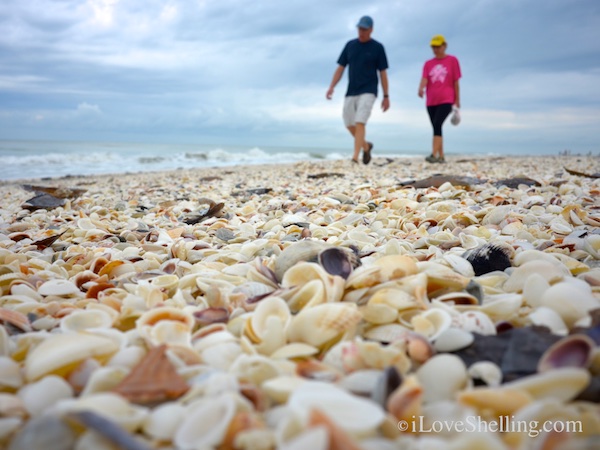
437 40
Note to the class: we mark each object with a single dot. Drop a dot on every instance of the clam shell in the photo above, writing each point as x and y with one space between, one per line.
572 351
83 320
453 339
41 395
490 257
352 414
164 420
59 353
563 383
452 371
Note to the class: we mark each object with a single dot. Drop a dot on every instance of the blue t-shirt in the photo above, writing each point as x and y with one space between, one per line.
364 59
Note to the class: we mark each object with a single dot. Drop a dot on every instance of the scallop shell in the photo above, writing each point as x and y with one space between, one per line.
490 257
323 324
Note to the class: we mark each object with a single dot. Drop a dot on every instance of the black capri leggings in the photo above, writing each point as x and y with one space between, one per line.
437 115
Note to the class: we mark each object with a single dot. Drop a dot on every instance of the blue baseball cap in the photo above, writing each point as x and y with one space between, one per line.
365 22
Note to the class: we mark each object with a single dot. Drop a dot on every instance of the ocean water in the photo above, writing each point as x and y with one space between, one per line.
42 159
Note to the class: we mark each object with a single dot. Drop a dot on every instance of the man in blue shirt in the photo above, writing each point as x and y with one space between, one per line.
364 56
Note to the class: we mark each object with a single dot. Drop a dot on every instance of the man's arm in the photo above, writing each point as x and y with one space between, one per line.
337 76
385 104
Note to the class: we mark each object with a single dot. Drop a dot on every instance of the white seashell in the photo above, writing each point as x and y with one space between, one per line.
474 321
294 350
360 382
209 382
486 371
104 379
83 320
454 377
8 425
548 317
453 339
431 323
314 438
280 388
11 406
534 289
502 306
255 369
164 420
59 288
563 384
60 351
497 215
323 323
39 396
108 404
353 414
10 374
572 300
387 333
205 423
127 357
460 265
25 290
549 271
214 338
221 356
271 307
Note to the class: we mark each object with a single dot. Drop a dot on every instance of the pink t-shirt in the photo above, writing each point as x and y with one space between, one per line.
441 75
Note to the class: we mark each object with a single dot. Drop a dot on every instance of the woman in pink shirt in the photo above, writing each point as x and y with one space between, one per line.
440 80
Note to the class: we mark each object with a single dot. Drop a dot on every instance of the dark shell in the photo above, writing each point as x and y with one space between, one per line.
44 432
43 201
337 261
108 429
489 257
387 383
514 183
516 351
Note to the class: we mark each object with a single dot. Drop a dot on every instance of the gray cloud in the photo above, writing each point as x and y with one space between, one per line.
256 73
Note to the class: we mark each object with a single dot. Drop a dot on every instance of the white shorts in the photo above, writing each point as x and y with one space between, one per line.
357 108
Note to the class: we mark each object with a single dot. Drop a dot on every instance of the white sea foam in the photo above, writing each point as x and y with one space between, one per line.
39 159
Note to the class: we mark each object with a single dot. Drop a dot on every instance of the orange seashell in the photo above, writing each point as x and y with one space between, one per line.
175 232
338 438
153 380
109 267
98 264
15 318
241 421
406 401
257 396
97 288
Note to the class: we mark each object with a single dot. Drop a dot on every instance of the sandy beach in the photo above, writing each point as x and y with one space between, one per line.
310 305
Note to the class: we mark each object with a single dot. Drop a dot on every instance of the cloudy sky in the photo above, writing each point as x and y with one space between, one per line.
236 72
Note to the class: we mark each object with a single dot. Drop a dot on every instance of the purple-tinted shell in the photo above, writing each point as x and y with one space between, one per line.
571 351
211 315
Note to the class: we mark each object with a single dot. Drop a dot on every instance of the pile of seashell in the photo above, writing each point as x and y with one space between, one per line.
163 312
